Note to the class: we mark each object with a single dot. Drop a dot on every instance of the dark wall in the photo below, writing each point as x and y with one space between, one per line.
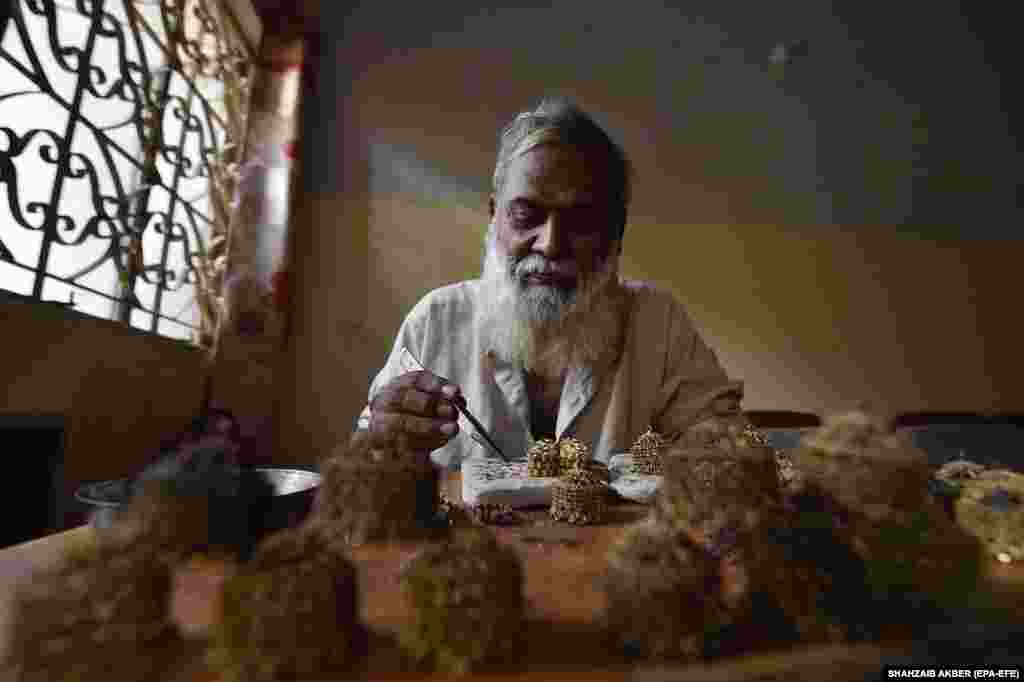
115 392
897 115
842 228
953 63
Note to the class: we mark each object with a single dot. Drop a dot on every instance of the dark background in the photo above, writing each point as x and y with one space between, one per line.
842 228
922 49
911 104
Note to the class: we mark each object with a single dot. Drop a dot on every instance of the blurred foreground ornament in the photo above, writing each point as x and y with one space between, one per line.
375 495
118 604
290 612
870 485
466 597
716 497
661 595
778 581
991 508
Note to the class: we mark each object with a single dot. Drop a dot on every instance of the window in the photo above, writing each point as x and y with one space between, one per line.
121 127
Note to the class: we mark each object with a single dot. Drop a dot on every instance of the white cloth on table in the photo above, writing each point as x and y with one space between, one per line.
488 480
630 485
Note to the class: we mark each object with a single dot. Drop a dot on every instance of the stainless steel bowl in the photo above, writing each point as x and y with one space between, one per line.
110 494
289 481
294 492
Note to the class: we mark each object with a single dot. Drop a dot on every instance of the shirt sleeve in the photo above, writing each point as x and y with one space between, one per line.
410 335
695 386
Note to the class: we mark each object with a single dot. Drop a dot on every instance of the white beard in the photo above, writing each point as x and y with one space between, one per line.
545 329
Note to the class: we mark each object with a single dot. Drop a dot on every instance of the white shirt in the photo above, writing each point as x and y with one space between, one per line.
666 377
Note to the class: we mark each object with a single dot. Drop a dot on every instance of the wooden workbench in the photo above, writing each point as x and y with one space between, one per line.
563 641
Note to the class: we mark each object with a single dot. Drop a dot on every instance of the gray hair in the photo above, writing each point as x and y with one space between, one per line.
558 120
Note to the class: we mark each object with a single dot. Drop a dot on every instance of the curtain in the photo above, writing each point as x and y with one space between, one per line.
253 331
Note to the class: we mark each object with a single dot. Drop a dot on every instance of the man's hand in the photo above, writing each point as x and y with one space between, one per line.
414 411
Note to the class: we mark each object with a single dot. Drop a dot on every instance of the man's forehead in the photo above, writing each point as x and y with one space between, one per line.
555 171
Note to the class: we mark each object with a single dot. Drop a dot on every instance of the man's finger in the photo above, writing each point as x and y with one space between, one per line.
423 429
418 392
405 380
387 440
414 401
391 398
410 400
428 382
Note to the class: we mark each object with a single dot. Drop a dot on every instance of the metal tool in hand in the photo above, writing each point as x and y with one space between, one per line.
409 363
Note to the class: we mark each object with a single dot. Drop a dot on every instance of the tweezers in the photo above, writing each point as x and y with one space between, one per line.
459 404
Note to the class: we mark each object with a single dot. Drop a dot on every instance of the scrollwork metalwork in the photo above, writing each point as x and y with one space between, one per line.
166 168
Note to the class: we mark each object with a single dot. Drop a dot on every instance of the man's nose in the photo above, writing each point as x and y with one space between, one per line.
551 239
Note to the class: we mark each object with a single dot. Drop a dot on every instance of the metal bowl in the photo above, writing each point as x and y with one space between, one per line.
105 494
290 481
105 498
294 491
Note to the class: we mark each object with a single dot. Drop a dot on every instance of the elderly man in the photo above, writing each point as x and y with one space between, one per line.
549 341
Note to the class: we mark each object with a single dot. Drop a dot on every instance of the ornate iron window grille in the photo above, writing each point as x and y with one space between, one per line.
152 222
